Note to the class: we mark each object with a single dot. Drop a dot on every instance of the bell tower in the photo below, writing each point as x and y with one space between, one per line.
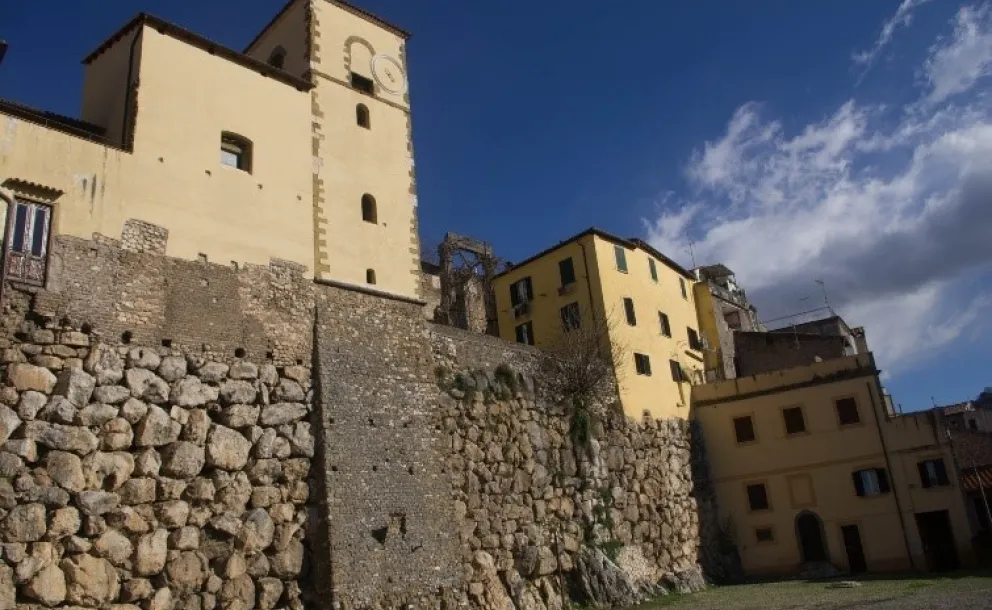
364 186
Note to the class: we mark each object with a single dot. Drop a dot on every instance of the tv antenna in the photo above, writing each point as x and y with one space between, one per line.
823 289
692 253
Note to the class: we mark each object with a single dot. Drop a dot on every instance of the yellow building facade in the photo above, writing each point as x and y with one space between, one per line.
298 149
642 299
810 466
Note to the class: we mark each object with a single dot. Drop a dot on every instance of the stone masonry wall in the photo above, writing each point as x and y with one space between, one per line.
389 511
212 310
538 509
144 478
155 435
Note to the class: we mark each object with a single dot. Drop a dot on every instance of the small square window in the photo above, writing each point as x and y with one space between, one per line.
525 333
362 83
643 364
933 473
570 318
744 429
764 534
666 327
653 269
621 256
794 421
757 497
235 151
847 411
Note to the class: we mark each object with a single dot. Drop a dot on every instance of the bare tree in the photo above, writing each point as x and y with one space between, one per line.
581 367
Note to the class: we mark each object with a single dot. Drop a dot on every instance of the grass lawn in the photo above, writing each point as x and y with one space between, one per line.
961 591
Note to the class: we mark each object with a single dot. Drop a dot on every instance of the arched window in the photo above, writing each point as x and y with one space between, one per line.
370 276
235 151
278 57
362 114
368 209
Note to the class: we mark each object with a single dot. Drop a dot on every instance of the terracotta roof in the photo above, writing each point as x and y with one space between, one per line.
632 243
346 6
972 478
200 42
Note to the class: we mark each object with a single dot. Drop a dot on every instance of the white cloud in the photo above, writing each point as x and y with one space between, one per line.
891 207
902 17
955 65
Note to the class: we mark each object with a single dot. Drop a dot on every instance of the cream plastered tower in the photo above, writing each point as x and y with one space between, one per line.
364 190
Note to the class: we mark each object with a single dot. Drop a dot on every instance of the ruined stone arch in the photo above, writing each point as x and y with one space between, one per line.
352 60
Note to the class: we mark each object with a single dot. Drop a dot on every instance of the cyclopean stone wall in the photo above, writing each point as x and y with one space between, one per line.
155 434
539 510
142 477
162 447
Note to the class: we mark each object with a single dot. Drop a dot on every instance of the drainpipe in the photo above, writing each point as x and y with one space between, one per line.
888 465
585 265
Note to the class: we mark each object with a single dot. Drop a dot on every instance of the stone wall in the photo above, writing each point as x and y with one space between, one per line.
155 435
539 508
761 352
146 478
213 310
389 513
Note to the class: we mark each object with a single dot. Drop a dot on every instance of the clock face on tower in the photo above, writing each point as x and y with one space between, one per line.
388 74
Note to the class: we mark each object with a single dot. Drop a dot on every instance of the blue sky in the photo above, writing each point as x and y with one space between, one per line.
840 140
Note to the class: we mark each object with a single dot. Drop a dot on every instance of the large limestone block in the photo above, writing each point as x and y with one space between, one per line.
227 448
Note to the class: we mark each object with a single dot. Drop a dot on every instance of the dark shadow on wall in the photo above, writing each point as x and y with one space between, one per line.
717 552
319 581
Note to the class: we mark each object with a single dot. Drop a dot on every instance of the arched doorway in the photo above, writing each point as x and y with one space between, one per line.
809 533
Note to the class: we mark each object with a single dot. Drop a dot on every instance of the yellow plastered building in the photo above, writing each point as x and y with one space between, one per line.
298 149
810 465
642 298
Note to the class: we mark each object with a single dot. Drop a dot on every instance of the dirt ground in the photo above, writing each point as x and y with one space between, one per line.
956 592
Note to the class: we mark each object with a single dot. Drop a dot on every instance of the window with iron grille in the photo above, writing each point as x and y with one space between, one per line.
28 227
